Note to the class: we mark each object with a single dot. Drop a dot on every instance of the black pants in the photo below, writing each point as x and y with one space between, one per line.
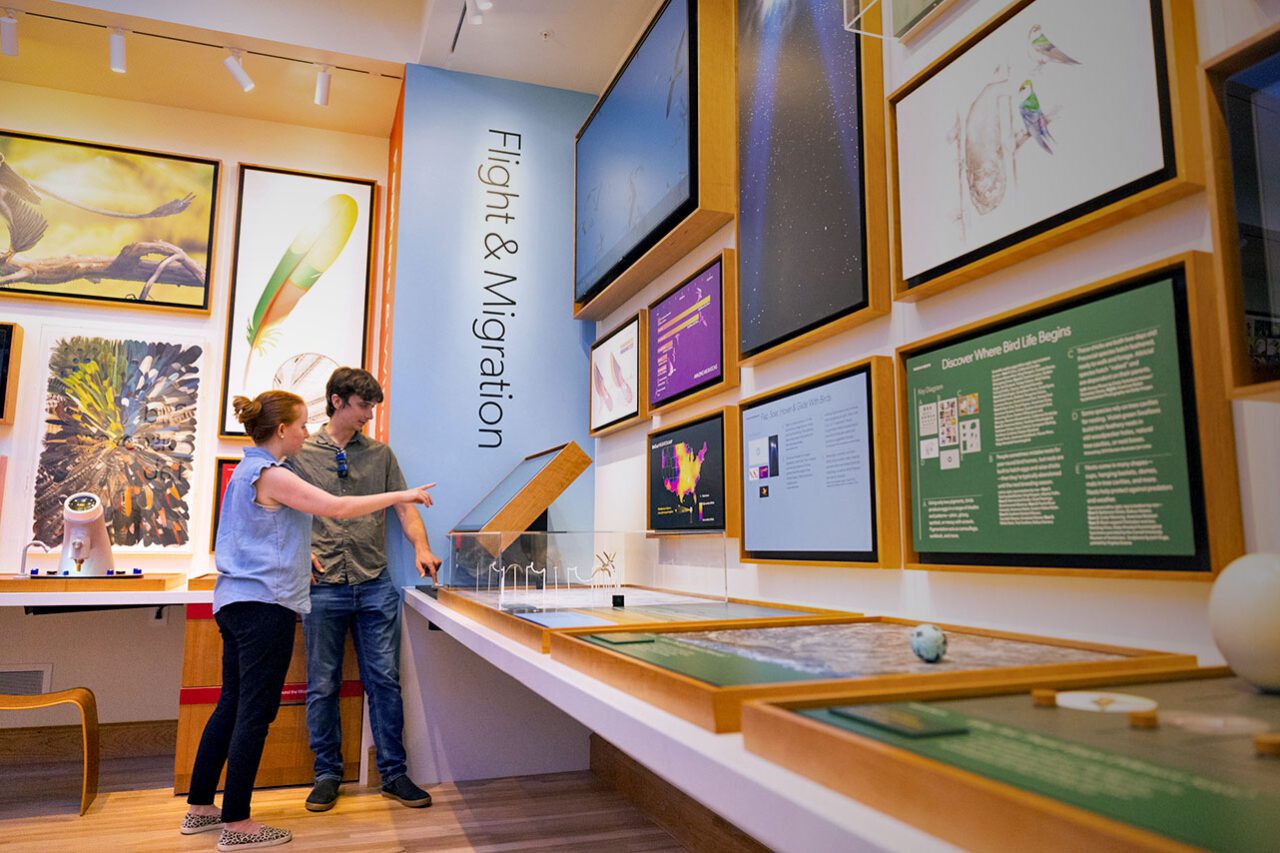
257 643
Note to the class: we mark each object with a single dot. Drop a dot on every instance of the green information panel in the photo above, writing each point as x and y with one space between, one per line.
1206 807
1063 439
710 665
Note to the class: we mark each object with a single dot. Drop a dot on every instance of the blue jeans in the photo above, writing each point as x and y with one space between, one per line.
372 610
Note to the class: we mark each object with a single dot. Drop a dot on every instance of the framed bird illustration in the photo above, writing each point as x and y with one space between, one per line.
300 287
101 223
1051 121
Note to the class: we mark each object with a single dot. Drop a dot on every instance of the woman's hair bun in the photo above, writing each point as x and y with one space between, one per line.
246 410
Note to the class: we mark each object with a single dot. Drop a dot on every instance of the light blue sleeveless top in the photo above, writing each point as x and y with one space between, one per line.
262 554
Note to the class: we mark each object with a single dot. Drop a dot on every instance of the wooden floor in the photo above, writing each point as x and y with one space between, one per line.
565 811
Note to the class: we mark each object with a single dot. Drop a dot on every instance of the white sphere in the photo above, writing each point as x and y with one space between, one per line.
929 642
1242 616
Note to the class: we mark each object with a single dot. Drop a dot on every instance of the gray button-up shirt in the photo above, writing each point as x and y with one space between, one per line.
352 550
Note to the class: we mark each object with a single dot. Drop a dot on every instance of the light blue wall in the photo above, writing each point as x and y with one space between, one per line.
439 297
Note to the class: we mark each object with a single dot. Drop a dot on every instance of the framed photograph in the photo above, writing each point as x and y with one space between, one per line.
995 148
300 287
120 422
10 366
653 162
812 232
819 470
224 467
691 354
105 224
618 377
690 485
1085 433
1241 132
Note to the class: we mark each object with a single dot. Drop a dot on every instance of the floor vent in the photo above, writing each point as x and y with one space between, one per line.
24 679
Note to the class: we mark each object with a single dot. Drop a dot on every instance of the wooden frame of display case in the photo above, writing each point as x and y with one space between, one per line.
729 375
884 454
732 462
1188 166
719 709
642 374
717 163
9 373
958 806
875 201
1226 254
1212 417
538 637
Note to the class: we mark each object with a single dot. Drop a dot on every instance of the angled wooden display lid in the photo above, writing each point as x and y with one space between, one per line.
538 637
719 709
717 162
963 808
557 468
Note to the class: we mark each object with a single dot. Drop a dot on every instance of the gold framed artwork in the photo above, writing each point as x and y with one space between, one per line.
618 366
1085 434
106 224
10 369
223 468
301 286
994 148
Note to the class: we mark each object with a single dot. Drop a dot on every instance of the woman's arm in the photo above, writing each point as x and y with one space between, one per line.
277 485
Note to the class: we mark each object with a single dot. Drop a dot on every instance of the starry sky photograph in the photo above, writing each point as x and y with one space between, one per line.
800 220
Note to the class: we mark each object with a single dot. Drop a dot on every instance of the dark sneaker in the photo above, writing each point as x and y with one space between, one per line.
323 796
268 836
193 823
409 794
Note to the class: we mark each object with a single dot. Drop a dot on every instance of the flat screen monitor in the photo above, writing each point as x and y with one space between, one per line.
808 478
1065 438
686 337
506 490
636 168
686 477
615 376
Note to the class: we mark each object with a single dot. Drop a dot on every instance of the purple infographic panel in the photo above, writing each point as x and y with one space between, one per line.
686 337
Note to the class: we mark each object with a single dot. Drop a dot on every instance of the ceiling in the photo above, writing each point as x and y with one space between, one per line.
175 50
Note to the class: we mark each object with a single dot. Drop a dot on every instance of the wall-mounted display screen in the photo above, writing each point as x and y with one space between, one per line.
686 476
636 172
506 490
615 376
686 337
808 479
1063 438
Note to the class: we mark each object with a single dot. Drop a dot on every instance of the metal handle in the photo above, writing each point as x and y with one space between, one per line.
22 572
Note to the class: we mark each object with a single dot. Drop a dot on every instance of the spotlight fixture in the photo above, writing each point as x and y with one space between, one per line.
9 33
235 64
323 79
115 47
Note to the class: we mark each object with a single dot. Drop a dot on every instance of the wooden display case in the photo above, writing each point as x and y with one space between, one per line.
934 790
1245 380
1209 423
716 194
641 618
729 376
1182 174
884 453
718 706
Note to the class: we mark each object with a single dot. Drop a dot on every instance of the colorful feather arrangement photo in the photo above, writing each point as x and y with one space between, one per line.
300 287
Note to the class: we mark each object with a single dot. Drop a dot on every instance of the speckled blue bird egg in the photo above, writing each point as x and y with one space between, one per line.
929 643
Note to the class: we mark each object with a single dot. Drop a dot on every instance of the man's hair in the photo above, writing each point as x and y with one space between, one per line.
346 381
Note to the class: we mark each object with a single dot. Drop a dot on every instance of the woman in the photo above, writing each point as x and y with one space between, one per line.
264 564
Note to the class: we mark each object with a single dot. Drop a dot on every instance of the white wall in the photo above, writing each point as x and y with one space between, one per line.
1157 614
121 642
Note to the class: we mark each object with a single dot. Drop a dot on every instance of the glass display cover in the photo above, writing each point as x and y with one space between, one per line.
636 173
808 480
686 477
1063 438
1253 119
507 488
686 337
615 376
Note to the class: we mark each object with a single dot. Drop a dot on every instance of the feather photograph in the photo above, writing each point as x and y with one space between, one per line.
300 286
114 225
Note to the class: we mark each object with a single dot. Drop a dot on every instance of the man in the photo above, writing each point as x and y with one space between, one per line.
352 588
